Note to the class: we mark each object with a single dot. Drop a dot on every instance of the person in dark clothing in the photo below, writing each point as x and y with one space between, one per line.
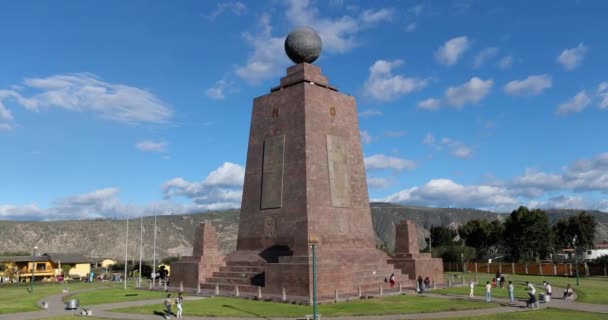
420 284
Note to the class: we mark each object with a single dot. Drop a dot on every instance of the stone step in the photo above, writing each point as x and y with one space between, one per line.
235 274
228 287
239 281
245 263
249 269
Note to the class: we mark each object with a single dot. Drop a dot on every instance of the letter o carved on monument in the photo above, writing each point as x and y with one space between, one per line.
332 111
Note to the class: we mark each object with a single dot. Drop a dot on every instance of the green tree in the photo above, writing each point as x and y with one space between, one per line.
65 270
528 236
581 227
454 253
442 236
482 235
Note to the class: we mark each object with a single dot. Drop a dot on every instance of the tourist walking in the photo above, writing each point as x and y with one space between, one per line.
471 289
167 303
488 292
511 293
391 280
178 302
420 287
531 294
502 280
427 282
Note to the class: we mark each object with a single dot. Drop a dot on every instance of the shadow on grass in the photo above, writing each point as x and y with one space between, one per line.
245 311
162 314
131 294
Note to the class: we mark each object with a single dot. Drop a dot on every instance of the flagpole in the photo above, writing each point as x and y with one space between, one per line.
126 252
154 254
141 245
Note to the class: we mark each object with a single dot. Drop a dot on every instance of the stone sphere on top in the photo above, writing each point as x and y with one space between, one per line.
303 45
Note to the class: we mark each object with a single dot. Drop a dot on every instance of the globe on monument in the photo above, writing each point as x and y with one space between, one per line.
303 45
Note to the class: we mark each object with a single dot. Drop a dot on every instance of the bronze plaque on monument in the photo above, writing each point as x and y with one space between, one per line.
272 172
339 186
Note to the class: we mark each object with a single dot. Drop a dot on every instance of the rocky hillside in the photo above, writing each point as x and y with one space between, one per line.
106 238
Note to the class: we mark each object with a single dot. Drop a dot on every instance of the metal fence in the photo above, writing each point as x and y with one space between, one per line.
546 269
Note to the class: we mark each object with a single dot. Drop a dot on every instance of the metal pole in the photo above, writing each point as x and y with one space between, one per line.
154 254
33 269
141 246
314 282
126 252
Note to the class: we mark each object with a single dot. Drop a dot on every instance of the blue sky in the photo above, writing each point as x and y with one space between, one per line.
134 107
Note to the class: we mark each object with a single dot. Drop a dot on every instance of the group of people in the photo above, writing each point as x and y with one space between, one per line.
532 300
168 304
423 284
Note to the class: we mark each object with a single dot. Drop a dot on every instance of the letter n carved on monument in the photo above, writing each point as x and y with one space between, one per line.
272 172
339 186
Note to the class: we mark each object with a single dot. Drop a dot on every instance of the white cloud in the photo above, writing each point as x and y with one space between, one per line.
484 55
378 183
222 188
86 92
375 16
456 148
429 139
365 137
6 127
451 51
411 27
532 86
576 104
580 175
237 8
380 161
152 146
472 91
383 85
602 92
268 58
220 89
505 62
338 35
573 57
370 113
429 104
447 193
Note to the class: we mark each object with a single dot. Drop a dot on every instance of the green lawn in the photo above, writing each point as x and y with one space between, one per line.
231 307
16 297
114 292
546 314
590 290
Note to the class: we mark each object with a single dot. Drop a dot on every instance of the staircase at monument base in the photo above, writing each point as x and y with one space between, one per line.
247 275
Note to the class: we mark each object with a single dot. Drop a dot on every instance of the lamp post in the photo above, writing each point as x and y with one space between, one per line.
33 269
575 257
313 241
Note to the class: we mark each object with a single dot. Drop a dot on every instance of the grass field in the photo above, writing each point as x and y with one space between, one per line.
115 293
590 290
546 314
16 297
231 307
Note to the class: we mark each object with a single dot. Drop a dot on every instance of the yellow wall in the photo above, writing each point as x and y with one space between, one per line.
80 269
107 263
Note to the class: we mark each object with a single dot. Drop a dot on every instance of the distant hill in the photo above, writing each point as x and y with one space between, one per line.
106 238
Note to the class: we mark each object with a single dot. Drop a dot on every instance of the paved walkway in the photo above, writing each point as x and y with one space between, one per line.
56 308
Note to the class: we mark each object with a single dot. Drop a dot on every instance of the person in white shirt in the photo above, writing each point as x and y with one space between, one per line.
488 292
531 293
471 288
511 293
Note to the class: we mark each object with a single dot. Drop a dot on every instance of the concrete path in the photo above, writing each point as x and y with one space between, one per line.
56 308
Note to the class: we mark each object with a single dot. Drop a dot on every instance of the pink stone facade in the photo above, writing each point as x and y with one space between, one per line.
407 256
304 179
205 259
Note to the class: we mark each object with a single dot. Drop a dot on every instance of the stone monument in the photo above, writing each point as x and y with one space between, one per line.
407 256
304 179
